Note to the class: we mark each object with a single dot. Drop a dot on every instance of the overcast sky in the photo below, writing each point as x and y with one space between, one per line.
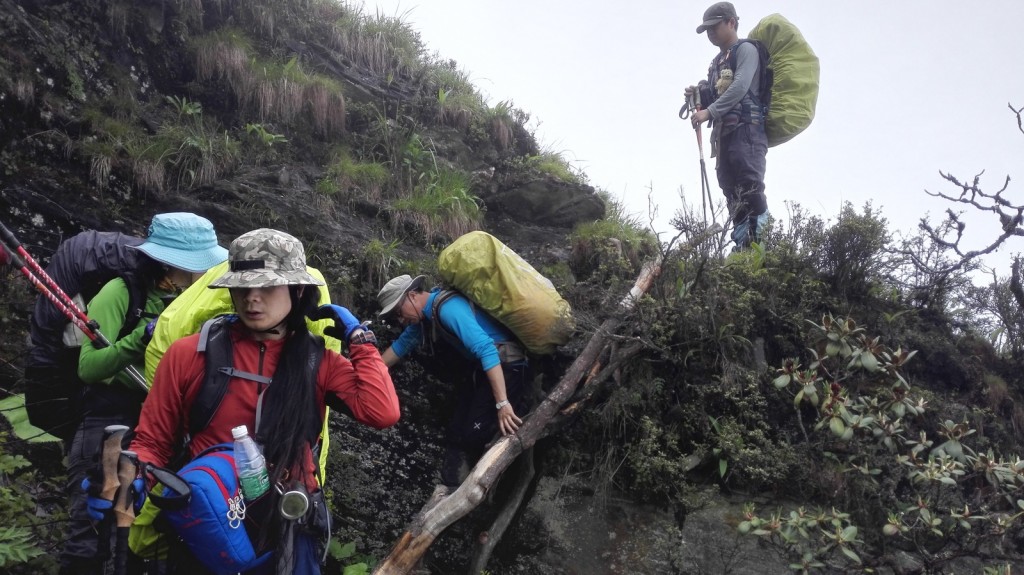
908 88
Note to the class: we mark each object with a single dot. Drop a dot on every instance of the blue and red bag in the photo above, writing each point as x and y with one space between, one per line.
211 521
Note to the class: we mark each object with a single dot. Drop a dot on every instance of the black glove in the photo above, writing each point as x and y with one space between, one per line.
707 97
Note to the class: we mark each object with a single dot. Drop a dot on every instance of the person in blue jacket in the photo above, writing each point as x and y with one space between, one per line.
496 392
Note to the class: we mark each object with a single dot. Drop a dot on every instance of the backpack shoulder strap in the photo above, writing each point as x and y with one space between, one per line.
765 75
436 327
215 343
136 303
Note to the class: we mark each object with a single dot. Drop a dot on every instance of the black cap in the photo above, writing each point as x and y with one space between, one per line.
715 14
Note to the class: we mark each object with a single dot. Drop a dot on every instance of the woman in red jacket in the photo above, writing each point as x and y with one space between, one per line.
272 293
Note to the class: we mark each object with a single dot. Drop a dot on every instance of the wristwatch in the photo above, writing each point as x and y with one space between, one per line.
501 404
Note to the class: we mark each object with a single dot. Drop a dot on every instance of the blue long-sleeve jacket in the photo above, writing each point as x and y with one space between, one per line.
476 331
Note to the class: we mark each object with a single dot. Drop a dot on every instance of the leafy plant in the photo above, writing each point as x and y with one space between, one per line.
264 136
185 107
345 554
379 259
872 415
25 535
347 174
614 245
555 165
441 205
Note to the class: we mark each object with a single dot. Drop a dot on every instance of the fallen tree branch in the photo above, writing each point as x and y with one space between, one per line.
489 539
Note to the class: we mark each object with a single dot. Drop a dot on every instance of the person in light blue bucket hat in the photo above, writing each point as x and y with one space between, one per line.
179 247
184 241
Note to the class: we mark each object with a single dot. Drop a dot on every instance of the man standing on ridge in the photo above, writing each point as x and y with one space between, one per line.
738 139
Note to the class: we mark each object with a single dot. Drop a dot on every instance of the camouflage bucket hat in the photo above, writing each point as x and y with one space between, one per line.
265 258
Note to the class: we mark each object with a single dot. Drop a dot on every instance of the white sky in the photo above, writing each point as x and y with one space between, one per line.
908 88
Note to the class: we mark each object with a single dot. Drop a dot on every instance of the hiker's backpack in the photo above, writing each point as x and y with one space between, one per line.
213 520
81 266
504 285
791 76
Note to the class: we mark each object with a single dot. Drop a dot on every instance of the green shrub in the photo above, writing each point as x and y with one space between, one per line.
871 424
28 531
614 246
348 174
441 206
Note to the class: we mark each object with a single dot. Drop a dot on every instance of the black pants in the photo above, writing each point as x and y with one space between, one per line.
475 422
741 167
87 546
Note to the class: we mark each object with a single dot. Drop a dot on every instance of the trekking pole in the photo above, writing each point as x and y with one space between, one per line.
705 187
45 285
124 508
110 455
692 105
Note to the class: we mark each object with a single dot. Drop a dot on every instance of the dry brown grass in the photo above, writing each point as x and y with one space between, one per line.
501 133
1018 421
149 175
191 12
117 18
996 392
225 54
99 170
326 105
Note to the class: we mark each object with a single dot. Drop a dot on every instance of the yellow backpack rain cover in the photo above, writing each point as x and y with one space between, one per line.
508 288
795 88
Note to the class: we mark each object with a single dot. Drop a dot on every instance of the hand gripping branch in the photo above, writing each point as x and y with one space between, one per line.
43 283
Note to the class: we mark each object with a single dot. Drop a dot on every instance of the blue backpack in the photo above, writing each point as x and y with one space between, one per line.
212 521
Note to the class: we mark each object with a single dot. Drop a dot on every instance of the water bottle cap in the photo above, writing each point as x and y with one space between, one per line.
239 432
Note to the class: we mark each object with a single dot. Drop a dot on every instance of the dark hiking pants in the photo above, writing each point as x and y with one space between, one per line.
475 422
741 167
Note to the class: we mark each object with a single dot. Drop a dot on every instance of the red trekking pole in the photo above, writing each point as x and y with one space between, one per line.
45 285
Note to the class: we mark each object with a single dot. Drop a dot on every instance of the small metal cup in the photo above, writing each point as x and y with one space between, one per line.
294 504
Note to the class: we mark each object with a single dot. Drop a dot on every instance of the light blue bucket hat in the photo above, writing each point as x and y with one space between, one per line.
184 241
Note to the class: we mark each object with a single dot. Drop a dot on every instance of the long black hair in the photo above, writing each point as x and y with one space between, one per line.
148 271
290 418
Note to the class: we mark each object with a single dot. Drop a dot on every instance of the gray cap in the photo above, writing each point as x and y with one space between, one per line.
265 258
392 293
716 13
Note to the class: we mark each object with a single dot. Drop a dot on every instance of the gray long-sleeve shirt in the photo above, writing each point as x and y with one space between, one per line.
747 62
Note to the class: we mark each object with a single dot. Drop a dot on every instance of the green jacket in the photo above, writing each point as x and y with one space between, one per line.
108 308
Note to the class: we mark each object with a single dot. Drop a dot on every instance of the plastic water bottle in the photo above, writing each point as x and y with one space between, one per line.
250 464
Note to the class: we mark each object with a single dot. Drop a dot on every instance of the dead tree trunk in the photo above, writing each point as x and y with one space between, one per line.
436 517
489 539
